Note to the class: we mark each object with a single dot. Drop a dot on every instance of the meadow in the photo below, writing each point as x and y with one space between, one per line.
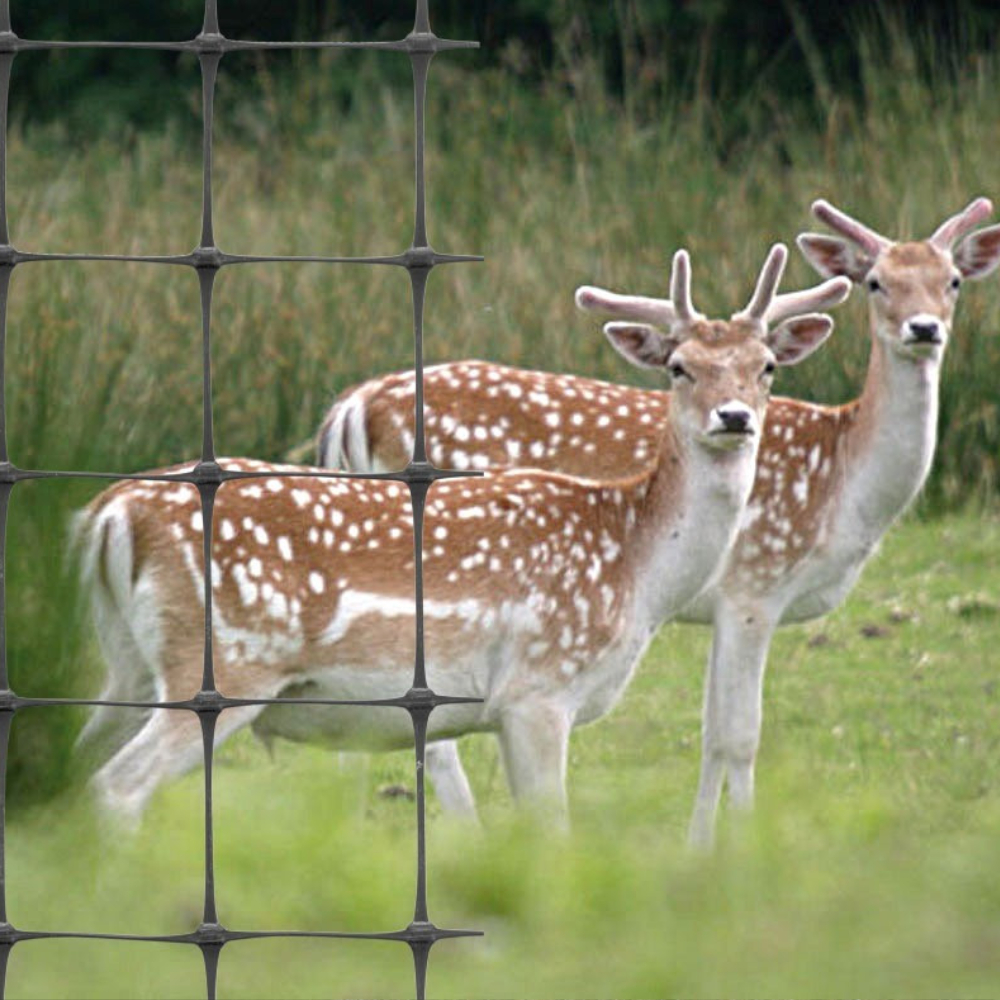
870 868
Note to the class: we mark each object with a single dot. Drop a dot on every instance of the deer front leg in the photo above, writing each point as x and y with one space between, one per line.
731 719
534 742
444 768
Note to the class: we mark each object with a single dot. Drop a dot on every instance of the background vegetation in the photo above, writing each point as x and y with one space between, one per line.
585 145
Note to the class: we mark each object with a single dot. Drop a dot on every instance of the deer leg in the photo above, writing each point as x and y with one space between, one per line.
534 741
167 746
170 743
731 718
444 768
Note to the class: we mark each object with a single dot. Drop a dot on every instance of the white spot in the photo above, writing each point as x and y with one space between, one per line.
285 548
180 495
227 530
247 588
594 570
277 605
800 489
609 547
260 533
316 583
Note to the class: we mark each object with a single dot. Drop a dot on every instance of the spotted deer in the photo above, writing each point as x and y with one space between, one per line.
541 590
830 482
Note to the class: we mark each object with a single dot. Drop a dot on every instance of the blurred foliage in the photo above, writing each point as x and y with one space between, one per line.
647 49
867 870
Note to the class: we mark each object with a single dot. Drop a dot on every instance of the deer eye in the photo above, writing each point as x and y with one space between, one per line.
769 368
874 285
955 283
678 371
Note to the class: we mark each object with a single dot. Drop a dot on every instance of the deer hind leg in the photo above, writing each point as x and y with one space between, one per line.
130 677
171 742
169 745
534 742
731 719
444 768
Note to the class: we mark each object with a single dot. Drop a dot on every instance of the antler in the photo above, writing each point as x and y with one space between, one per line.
659 312
680 288
768 308
664 313
874 243
824 296
767 284
949 231
764 304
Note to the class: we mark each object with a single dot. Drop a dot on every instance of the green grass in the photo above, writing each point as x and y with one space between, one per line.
868 870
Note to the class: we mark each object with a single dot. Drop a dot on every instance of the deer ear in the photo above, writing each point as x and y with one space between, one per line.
834 257
978 254
641 344
797 338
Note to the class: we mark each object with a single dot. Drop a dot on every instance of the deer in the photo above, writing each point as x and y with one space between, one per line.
830 482
541 590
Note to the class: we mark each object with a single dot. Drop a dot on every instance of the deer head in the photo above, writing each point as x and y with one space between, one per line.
720 370
912 286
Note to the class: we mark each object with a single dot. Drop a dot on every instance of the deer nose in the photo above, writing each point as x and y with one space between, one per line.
735 419
925 330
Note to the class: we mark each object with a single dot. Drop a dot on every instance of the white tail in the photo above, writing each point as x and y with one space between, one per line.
541 590
830 480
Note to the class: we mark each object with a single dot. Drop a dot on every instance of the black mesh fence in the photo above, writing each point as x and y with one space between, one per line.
210 46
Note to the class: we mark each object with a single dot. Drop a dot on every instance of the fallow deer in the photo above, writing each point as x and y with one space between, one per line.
541 590
830 481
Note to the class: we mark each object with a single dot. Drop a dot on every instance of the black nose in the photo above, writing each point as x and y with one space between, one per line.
924 333
734 420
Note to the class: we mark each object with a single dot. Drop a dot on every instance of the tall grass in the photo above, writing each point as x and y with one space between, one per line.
557 185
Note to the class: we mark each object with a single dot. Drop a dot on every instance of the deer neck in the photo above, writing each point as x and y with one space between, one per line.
891 444
689 506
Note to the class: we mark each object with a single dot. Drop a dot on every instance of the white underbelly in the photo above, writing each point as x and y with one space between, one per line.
365 727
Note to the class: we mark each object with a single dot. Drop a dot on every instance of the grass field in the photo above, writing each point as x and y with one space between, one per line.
869 869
